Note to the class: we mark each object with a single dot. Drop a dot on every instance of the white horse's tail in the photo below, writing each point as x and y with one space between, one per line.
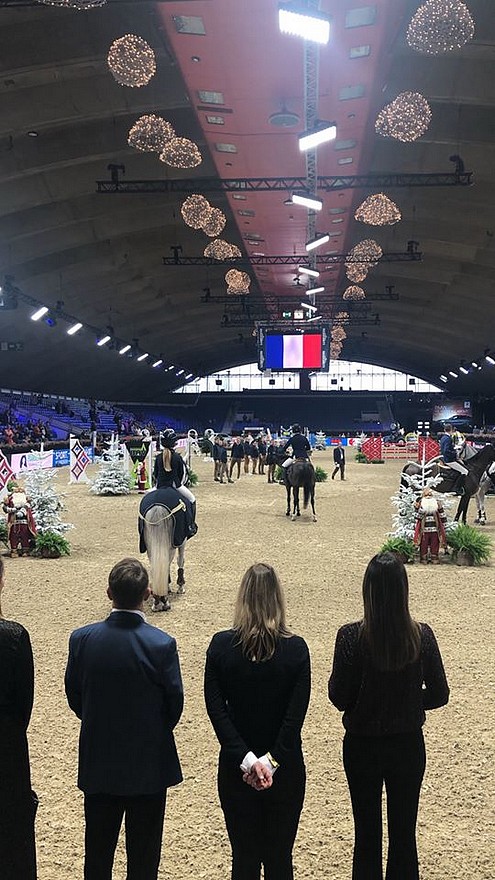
158 536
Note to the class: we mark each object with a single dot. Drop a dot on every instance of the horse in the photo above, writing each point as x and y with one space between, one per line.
300 475
162 531
486 485
476 463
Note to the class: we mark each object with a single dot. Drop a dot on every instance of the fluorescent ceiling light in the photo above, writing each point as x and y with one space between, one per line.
74 329
318 241
321 134
157 363
309 307
181 372
142 357
104 340
314 290
455 375
307 201
314 318
39 314
489 359
171 367
125 349
475 365
313 26
189 376
306 270
464 370
444 378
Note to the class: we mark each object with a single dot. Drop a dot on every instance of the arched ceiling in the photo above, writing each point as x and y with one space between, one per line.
101 255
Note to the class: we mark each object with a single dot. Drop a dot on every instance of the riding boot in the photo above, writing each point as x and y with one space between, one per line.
191 524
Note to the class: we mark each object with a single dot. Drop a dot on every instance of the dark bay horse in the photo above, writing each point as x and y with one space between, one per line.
476 465
300 475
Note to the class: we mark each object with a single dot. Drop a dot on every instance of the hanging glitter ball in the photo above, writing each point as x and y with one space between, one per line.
181 153
341 316
150 134
354 292
406 118
338 333
75 4
356 271
367 251
378 210
195 210
131 61
335 350
214 223
237 282
440 26
221 250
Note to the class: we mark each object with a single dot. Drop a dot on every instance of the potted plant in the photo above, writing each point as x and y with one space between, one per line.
3 531
192 478
360 458
320 474
377 461
469 546
403 547
51 545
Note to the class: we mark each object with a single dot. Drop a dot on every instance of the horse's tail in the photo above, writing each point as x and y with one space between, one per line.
307 494
158 536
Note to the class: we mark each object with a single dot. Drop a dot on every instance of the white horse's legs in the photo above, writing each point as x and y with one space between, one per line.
181 583
480 501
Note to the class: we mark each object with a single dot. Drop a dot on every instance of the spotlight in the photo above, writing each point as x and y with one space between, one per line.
306 200
311 290
40 313
157 363
104 340
321 134
455 375
50 321
312 26
318 241
306 270
125 349
142 357
74 329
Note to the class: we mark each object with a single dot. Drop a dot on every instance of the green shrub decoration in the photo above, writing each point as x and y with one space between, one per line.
320 474
3 531
360 457
51 545
377 461
192 478
402 546
470 540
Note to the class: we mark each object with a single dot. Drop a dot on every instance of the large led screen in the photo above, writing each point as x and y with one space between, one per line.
306 349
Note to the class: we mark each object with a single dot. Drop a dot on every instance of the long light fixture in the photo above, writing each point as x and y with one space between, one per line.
318 241
307 201
464 370
314 318
306 270
489 359
475 365
312 26
125 349
74 329
314 290
39 313
320 134
157 363
104 340
142 357
455 375
443 378
309 307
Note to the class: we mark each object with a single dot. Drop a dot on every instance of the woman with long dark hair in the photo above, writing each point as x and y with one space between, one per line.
387 670
17 801
257 686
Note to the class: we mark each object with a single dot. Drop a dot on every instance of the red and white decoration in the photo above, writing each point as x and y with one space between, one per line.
79 461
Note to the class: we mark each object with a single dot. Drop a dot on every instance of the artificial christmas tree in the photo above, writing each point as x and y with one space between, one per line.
112 477
46 503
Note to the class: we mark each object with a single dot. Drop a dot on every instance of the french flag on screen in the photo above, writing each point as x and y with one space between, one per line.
293 351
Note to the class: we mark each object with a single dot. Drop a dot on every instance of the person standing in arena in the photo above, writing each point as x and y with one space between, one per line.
254 456
247 452
123 681
387 670
339 461
236 456
222 462
262 451
257 687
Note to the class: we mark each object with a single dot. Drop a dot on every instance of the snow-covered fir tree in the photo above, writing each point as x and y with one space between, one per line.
46 503
404 518
112 477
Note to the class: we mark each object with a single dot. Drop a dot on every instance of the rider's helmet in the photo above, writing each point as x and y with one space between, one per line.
296 429
169 438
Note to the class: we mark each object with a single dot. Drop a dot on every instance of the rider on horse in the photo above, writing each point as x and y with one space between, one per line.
300 446
449 457
170 471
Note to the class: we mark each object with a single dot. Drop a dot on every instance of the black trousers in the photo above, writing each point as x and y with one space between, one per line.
144 816
399 762
339 467
262 825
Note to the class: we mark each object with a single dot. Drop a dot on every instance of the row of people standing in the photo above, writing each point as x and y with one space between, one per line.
123 682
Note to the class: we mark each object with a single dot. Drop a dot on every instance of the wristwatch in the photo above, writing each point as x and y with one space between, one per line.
273 763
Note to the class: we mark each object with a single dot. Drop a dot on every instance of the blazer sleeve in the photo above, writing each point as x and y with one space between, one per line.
342 683
229 738
290 731
172 683
24 678
72 678
436 690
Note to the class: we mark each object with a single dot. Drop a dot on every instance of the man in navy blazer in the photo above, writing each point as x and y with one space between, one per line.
123 681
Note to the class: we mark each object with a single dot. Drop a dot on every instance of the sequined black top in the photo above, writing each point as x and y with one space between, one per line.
378 703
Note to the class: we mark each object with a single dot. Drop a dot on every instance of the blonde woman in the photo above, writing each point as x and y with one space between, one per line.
170 471
257 686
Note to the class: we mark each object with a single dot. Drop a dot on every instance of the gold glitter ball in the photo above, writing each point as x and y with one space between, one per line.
181 153
440 26
131 61
378 210
150 134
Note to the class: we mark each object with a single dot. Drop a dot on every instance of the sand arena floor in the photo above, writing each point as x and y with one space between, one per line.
321 566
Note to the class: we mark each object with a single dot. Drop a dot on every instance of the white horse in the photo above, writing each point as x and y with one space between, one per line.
487 483
157 538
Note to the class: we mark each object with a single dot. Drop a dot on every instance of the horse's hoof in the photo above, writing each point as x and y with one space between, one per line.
298 513
293 517
181 589
314 519
287 513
